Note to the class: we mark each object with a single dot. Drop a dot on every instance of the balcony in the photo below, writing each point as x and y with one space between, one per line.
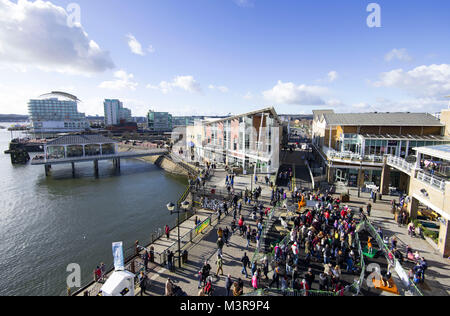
401 164
436 182
348 156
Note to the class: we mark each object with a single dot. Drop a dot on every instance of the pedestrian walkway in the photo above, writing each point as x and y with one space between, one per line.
161 245
206 249
437 277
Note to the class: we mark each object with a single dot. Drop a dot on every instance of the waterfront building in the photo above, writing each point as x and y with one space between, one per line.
180 121
159 121
73 146
351 146
115 113
428 191
242 141
56 112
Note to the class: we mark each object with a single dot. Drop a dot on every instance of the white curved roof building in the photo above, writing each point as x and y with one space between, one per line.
56 112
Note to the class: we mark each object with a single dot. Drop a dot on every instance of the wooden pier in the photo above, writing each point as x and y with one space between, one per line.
73 149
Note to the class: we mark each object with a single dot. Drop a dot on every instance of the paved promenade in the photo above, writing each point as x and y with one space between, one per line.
437 277
203 248
206 249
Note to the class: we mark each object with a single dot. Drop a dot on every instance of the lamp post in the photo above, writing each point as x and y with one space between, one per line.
171 208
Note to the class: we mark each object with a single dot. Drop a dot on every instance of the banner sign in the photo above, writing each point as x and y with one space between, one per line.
117 249
201 227
402 274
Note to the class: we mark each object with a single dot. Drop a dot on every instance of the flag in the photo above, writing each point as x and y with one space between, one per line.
117 248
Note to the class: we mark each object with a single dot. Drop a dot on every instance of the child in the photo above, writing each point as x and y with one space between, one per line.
369 245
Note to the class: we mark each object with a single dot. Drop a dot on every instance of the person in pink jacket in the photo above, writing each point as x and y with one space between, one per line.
255 281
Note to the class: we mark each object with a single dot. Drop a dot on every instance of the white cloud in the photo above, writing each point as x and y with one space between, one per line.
151 49
422 81
333 76
222 89
36 34
135 46
289 93
399 54
186 83
123 81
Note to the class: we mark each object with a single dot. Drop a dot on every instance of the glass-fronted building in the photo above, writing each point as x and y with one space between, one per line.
380 145
354 146
56 112
250 141
159 121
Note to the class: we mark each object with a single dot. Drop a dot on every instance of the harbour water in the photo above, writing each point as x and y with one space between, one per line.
48 223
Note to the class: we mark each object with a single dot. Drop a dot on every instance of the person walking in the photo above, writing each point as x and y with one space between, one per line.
220 244
369 209
245 261
167 231
103 270
226 235
248 235
276 277
146 259
143 283
255 281
228 285
219 263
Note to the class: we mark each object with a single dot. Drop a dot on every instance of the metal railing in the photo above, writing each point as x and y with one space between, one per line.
410 286
400 163
436 182
348 155
266 227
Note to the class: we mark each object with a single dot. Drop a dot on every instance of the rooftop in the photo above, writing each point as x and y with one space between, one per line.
440 151
61 96
266 110
380 119
81 140
408 137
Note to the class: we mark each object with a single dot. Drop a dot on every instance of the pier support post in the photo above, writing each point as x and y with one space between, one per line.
47 170
118 164
96 167
73 169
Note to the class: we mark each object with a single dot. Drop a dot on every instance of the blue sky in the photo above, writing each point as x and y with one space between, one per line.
228 56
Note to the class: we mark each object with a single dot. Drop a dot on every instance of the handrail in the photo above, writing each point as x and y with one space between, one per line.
437 182
390 256
310 174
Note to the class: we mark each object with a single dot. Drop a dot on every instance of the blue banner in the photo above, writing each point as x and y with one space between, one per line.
117 248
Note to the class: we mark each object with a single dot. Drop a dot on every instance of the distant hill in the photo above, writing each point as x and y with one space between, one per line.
13 118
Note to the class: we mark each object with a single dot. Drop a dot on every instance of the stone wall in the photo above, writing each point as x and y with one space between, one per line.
166 164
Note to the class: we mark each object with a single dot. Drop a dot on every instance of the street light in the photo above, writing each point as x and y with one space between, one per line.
171 208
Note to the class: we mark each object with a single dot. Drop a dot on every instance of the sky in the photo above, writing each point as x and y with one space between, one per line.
215 57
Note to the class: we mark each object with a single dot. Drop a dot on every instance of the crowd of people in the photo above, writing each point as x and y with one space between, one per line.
324 235
319 249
